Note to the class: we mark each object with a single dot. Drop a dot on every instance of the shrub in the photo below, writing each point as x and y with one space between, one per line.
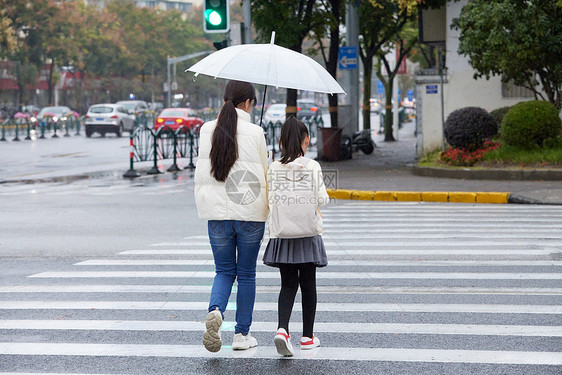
468 128
530 124
499 113
464 158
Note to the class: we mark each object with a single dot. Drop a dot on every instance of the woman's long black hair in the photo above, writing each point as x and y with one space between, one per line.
293 133
224 147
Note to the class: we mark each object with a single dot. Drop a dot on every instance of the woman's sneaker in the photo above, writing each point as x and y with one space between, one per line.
283 343
243 342
309 343
212 336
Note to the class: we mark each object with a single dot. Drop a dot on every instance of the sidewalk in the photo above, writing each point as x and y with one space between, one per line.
387 171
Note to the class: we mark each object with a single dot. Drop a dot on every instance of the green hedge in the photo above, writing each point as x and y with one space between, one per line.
530 124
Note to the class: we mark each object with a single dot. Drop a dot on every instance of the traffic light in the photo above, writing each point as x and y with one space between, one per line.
221 45
216 16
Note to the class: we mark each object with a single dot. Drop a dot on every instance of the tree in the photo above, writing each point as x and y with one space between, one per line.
334 12
292 21
518 39
381 28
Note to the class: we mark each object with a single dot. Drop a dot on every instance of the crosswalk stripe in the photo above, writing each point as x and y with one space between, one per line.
320 275
423 263
373 252
322 353
270 306
319 327
181 289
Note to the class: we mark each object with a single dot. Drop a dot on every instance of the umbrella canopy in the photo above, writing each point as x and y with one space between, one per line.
21 115
270 65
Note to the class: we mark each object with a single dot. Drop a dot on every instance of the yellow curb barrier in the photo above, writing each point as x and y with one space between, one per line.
492 197
407 196
434 196
416 196
363 195
339 194
462 197
387 196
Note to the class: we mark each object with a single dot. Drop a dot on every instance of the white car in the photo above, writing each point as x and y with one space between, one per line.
275 112
108 118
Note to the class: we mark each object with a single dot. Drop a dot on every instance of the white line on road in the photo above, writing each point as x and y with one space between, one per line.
272 306
382 263
322 353
390 328
321 275
182 289
373 251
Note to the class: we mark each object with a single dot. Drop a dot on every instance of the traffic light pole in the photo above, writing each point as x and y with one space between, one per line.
174 61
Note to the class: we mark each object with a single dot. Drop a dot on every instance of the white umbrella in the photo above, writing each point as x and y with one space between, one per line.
270 65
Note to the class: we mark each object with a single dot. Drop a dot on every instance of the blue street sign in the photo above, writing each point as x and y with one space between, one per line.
410 94
347 58
431 89
380 87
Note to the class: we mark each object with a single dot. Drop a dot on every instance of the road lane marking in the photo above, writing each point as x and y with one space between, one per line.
272 306
320 275
382 263
321 353
179 289
386 250
386 328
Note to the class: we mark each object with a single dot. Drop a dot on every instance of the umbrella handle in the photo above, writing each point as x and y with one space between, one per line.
263 104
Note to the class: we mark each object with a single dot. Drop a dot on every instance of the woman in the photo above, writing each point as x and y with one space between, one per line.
230 192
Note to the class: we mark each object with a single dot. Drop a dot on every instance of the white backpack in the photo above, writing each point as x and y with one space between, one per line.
293 202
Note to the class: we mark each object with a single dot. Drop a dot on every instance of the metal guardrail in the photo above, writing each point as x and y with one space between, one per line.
272 131
33 130
147 144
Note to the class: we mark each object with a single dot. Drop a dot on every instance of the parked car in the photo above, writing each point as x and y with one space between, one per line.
56 113
308 108
174 118
376 105
108 118
136 107
275 112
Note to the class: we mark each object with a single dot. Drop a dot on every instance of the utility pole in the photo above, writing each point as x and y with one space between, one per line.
247 31
352 75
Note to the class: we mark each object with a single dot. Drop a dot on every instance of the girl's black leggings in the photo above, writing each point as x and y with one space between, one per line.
293 275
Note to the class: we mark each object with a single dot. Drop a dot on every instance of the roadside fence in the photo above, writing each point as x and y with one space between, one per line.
148 144
30 129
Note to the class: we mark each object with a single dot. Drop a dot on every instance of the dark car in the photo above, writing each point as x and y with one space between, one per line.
308 108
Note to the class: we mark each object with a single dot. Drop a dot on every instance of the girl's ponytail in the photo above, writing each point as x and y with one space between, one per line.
224 145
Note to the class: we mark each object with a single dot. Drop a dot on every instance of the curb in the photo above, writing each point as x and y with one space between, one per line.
423 196
490 174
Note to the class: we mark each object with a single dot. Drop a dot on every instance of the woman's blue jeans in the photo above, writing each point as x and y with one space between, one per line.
235 247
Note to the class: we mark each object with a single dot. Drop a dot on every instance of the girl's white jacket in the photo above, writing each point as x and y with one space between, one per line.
277 169
244 194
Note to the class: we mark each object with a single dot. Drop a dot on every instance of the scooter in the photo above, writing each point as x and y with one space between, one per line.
360 140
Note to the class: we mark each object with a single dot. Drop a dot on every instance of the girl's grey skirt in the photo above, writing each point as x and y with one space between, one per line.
295 250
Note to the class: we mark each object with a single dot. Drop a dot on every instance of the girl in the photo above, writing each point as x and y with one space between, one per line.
296 258
230 192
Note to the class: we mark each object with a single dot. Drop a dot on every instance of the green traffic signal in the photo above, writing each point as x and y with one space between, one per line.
216 16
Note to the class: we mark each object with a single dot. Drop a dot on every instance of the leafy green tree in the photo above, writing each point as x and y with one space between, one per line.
292 20
518 39
334 11
381 27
